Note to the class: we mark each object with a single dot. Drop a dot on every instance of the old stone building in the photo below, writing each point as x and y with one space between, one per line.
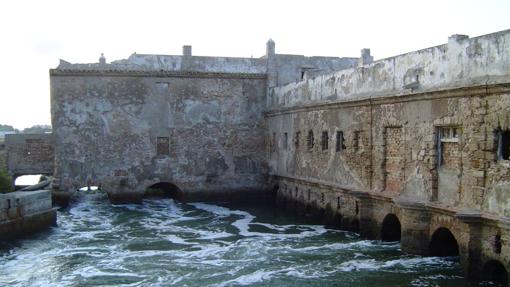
414 147
192 124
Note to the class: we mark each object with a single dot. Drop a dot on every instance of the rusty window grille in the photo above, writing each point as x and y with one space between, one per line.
310 140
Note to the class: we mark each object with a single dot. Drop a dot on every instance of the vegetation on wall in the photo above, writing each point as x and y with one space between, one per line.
5 182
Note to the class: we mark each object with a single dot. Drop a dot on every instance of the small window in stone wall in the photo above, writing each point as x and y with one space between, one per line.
310 140
324 140
503 144
356 142
296 140
163 146
273 142
449 134
340 141
285 140
448 147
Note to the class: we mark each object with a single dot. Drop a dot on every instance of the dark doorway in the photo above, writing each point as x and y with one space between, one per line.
443 243
494 271
391 229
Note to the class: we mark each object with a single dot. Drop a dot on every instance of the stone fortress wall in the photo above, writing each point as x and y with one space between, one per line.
28 154
190 121
414 147
418 141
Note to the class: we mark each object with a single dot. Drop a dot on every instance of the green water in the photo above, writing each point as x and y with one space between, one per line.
167 243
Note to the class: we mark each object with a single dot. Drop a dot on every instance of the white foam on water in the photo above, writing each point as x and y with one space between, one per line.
249 279
94 240
243 224
362 244
177 240
403 264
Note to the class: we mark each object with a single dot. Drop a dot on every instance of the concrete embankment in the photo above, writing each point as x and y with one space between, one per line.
25 212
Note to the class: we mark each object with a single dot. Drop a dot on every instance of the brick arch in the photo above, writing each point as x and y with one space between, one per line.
391 228
163 188
495 271
443 243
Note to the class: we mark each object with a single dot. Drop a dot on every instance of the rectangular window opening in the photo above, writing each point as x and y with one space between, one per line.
325 140
163 146
285 140
503 144
448 147
273 142
356 141
296 140
310 140
340 141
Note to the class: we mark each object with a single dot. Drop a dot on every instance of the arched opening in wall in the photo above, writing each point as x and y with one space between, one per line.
443 243
354 225
36 180
494 271
308 210
163 189
89 188
391 229
274 192
338 220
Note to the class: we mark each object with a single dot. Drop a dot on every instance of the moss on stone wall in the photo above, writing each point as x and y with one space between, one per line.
5 182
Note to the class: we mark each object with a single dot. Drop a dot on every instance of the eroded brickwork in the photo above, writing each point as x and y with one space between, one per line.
30 154
433 153
394 159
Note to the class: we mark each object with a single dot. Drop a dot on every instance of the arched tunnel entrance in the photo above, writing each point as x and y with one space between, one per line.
443 243
494 271
391 229
163 189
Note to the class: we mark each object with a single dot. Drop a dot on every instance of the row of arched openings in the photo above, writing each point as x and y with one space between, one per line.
444 244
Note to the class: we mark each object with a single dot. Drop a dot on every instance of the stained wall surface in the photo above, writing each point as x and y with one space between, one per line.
422 125
204 133
30 154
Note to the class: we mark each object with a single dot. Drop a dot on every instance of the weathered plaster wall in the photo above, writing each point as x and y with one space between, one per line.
461 62
30 154
25 212
416 136
106 129
391 135
377 158
290 68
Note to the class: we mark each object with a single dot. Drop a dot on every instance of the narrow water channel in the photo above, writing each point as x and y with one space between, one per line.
167 243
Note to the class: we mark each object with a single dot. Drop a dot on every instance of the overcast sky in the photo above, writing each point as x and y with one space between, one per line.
36 34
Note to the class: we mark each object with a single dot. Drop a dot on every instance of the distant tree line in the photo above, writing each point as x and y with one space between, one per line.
36 129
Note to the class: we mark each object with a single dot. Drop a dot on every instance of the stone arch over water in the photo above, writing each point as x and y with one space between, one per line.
443 243
495 271
391 228
163 189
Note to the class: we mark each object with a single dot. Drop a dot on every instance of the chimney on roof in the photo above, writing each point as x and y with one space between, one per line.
270 48
457 38
102 59
186 50
366 58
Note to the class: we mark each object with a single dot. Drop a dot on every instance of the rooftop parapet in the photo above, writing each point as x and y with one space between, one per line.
461 62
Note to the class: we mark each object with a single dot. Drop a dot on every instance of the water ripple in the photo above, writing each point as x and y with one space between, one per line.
165 243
